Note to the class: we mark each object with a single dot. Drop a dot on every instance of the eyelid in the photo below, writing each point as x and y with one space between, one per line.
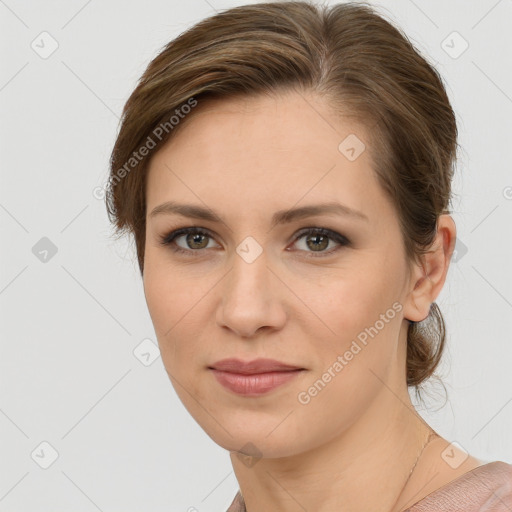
168 238
340 239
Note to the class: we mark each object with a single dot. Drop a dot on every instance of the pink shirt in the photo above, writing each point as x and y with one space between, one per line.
487 488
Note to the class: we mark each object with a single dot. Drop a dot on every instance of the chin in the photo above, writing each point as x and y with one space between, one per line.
255 441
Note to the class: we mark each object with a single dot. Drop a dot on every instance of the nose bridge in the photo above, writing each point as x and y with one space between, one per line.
249 299
248 279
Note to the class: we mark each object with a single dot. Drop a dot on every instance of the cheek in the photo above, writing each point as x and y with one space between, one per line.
348 299
363 315
160 296
180 304
173 313
168 303
169 296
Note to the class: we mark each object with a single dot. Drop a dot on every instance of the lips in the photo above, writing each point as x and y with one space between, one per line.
253 378
253 367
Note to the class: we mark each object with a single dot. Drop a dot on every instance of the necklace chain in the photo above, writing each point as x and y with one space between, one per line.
429 438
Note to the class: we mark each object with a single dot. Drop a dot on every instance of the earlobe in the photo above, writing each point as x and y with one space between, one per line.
429 278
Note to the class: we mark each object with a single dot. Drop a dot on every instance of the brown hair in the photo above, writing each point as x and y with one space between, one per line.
363 66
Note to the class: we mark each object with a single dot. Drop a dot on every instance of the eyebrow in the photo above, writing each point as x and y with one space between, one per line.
279 217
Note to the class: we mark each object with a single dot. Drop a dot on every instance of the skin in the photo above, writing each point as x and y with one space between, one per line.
352 446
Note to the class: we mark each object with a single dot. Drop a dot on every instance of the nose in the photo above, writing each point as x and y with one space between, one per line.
251 300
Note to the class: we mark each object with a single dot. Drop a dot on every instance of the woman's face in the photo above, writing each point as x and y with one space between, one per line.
332 303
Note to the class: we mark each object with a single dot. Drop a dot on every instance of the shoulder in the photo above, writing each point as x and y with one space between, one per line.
485 488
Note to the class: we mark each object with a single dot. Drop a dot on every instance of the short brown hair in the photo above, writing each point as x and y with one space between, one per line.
358 61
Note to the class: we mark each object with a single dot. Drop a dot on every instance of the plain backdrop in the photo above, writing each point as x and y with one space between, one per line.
88 420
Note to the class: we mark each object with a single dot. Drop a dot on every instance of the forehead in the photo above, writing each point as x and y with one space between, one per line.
265 152
296 122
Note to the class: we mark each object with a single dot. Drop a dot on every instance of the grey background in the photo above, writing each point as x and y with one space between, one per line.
71 321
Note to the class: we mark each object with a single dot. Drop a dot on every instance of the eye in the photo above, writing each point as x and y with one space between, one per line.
316 240
194 239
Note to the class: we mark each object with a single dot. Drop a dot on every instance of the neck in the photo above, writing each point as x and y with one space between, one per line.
363 468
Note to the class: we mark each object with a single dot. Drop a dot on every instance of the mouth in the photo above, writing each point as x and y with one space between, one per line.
256 366
254 378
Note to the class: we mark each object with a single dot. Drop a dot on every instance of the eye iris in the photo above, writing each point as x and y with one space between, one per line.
194 238
317 245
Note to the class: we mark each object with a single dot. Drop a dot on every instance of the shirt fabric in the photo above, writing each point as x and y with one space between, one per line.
487 488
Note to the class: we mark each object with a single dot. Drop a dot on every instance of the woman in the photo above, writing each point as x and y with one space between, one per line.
286 171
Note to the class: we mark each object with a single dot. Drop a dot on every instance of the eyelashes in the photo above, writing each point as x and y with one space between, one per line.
313 237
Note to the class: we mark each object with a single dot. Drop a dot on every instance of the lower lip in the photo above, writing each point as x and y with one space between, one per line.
254 385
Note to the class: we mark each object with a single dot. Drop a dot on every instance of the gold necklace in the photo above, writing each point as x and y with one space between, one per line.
429 438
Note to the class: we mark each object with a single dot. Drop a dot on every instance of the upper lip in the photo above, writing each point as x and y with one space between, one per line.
233 365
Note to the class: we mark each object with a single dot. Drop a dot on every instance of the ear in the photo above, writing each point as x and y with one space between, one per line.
428 279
